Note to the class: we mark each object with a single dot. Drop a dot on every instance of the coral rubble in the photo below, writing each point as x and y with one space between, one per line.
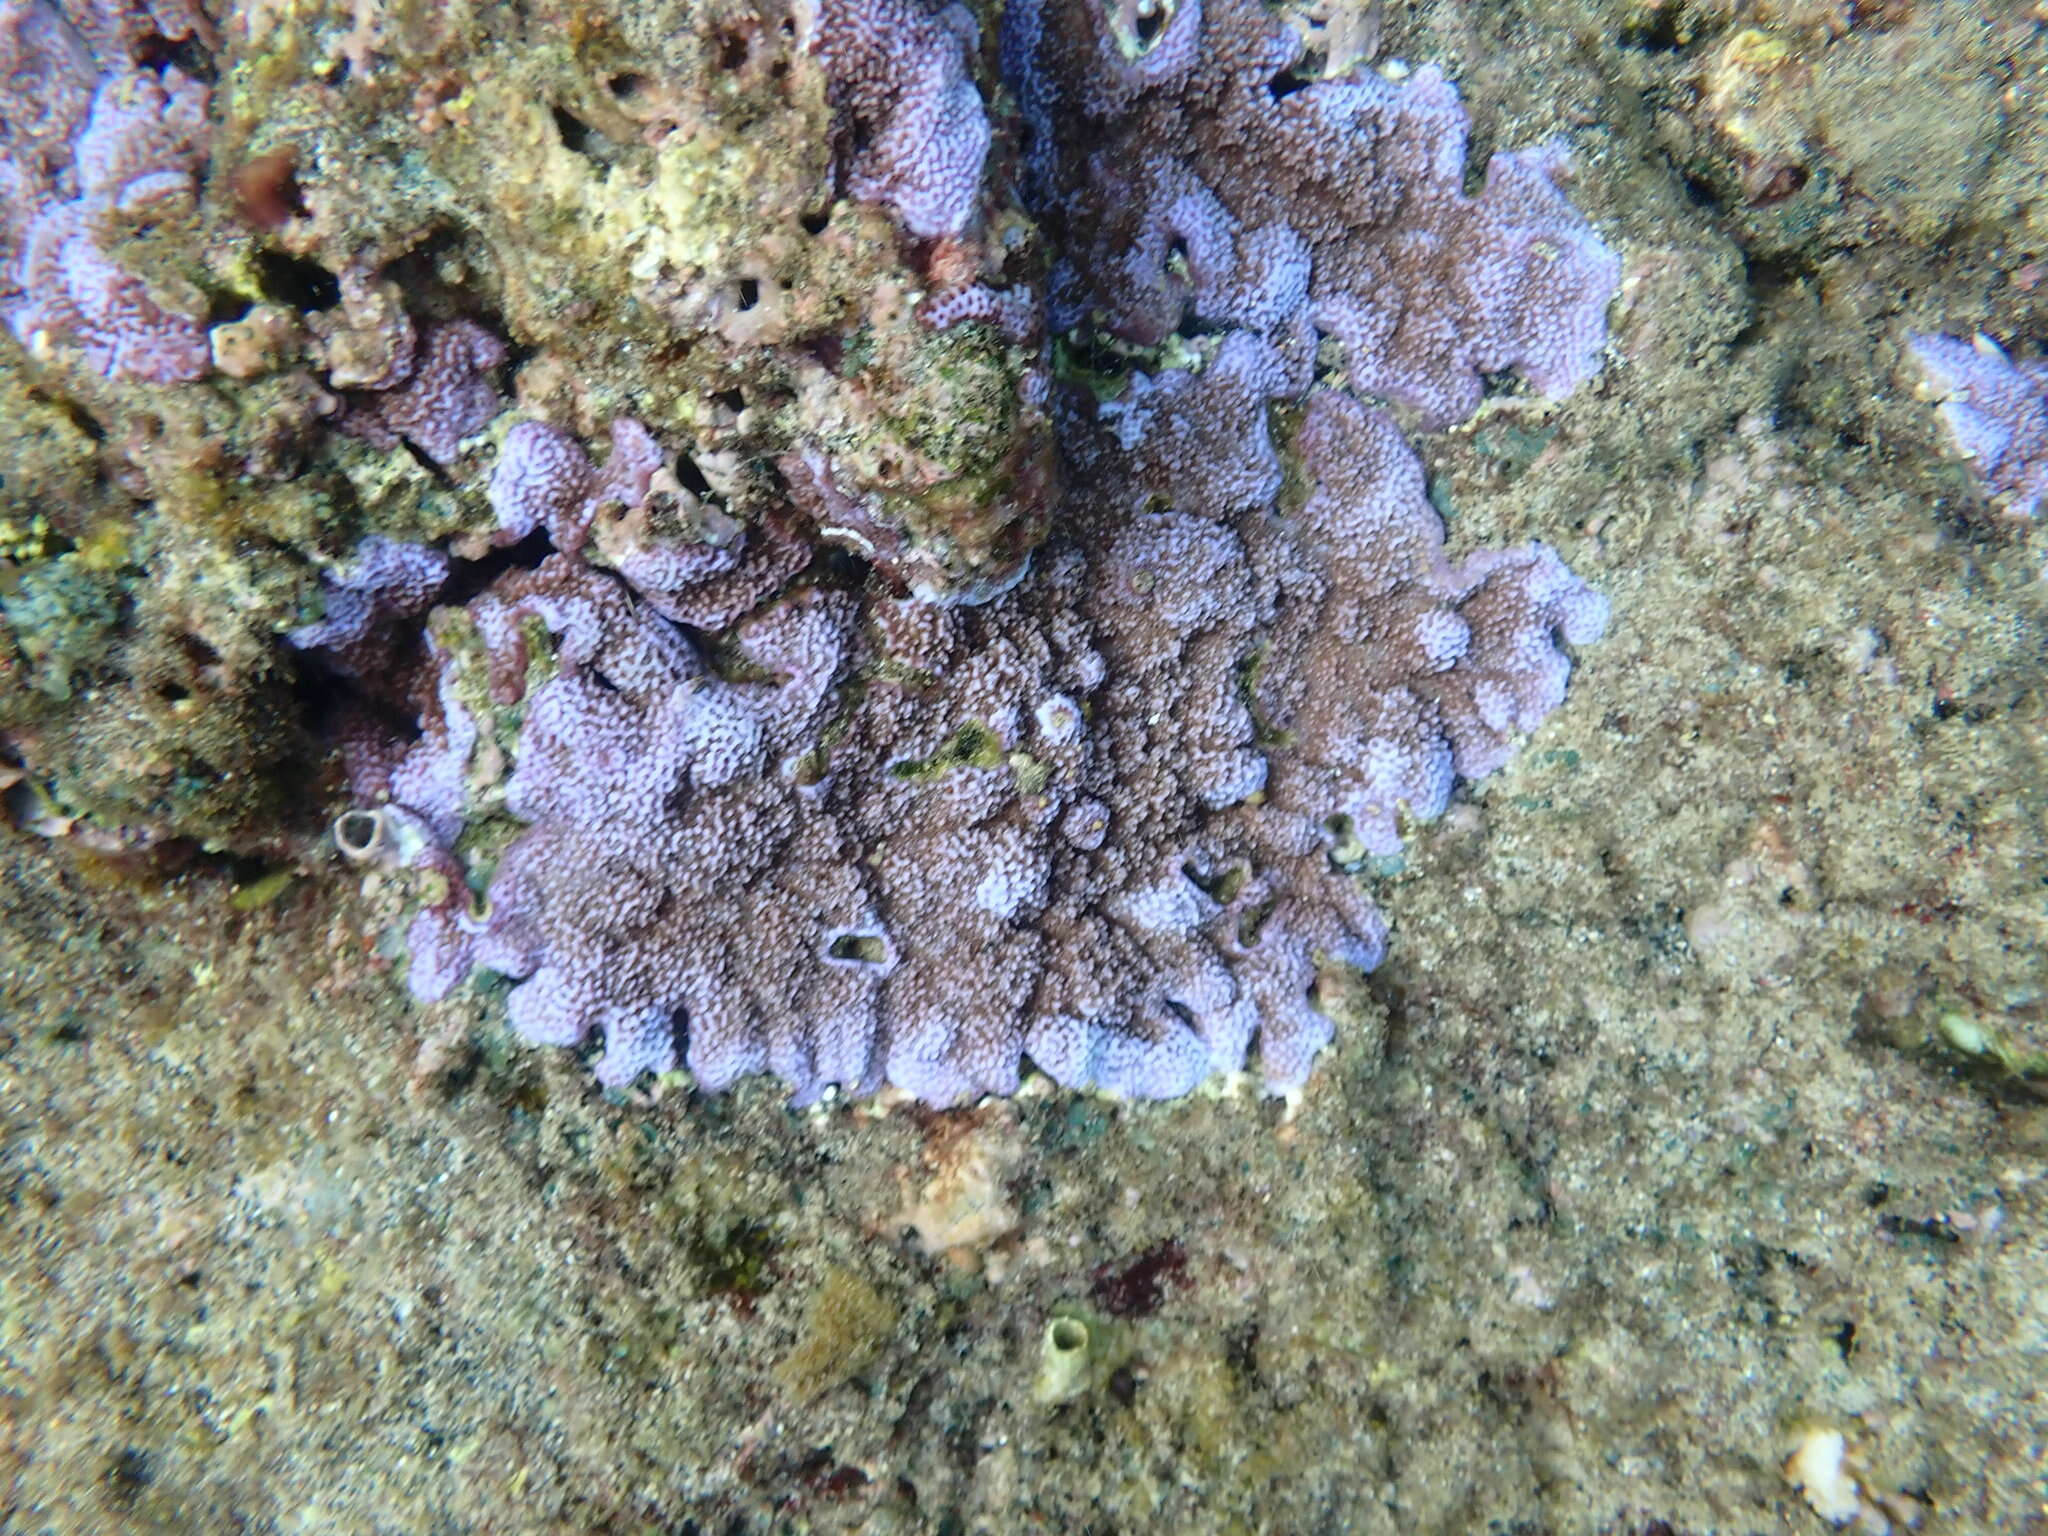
765 802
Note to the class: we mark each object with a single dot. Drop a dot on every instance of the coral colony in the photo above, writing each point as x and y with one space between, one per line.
713 793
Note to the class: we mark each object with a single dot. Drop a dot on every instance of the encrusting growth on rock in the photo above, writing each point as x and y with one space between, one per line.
775 816
901 80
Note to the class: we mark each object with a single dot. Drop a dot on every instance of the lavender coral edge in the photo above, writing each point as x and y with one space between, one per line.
767 817
1995 410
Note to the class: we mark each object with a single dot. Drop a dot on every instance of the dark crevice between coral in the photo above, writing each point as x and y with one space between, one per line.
425 461
1220 886
440 282
836 569
1700 192
224 305
468 579
324 694
1286 83
75 413
1769 275
692 479
517 355
733 50
323 697
1252 922
1656 30
189 55
577 136
1097 362
297 282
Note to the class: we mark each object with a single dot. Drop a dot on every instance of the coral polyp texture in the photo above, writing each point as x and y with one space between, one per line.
1996 411
714 795
93 151
901 81
1189 175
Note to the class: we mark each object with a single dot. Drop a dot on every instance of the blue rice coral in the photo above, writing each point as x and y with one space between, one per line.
1995 409
771 813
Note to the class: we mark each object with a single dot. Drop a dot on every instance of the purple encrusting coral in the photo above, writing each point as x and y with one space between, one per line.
440 393
1203 181
92 148
382 585
900 80
1996 412
797 824
688 562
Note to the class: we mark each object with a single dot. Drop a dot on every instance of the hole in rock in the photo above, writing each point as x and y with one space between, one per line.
864 948
691 478
627 86
577 135
297 282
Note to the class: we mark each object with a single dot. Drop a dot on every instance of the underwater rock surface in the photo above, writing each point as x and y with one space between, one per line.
1691 1122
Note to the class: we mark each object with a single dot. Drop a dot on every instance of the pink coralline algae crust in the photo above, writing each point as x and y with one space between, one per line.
889 841
774 817
91 147
383 584
1996 412
900 80
1419 671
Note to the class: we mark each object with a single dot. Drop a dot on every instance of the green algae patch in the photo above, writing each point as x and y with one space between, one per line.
844 1328
974 745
